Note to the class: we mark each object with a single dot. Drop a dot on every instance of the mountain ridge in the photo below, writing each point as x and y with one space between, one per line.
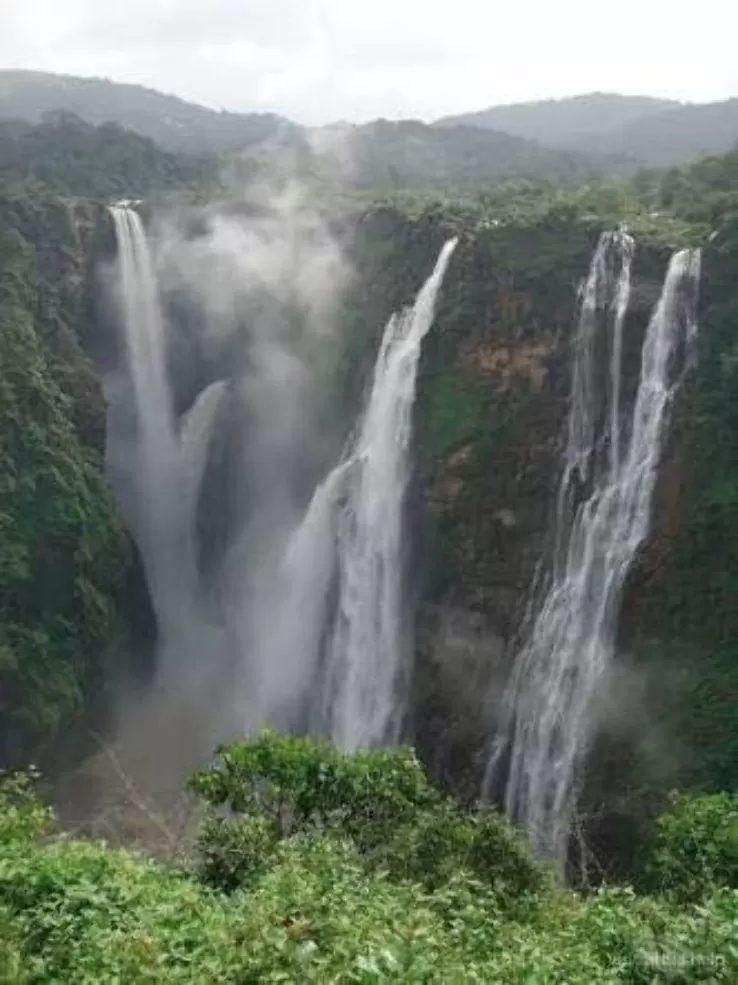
575 138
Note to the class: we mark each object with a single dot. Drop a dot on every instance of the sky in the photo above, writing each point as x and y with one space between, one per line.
318 61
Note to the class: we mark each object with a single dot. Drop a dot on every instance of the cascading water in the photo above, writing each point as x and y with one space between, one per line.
572 639
194 440
164 467
366 655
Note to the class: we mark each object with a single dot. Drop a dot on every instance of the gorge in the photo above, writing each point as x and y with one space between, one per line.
420 472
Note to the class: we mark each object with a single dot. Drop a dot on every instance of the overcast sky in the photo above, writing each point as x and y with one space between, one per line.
321 60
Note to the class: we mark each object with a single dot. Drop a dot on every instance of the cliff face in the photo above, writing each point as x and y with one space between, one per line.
681 613
489 429
63 550
489 425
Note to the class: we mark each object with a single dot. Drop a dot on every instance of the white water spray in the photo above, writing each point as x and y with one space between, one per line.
367 654
572 640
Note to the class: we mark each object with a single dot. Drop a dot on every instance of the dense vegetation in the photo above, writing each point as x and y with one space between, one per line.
330 868
693 610
75 158
62 545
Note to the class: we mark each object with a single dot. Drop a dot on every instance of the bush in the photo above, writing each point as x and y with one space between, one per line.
696 847
277 787
23 817
315 911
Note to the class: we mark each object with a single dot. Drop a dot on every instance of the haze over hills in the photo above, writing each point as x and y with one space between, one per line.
655 132
564 122
173 123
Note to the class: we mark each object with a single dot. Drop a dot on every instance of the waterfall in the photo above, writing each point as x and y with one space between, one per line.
160 497
304 582
194 442
609 474
367 652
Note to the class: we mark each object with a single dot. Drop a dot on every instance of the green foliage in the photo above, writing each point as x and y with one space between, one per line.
75 158
313 911
62 544
23 816
454 414
276 787
696 847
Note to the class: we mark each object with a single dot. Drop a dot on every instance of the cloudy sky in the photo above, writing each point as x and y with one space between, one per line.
321 60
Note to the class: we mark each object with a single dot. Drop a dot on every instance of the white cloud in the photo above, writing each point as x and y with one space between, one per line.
318 60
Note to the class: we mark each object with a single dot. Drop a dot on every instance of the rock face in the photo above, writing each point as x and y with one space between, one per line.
492 403
488 432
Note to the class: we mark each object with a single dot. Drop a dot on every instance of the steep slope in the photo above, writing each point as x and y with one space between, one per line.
564 122
174 123
63 550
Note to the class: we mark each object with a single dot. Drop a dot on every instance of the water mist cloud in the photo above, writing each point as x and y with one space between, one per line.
264 277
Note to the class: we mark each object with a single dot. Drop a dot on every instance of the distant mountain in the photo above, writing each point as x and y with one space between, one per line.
382 155
564 122
172 122
653 132
676 136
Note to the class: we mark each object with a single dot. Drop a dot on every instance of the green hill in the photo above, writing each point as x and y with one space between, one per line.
172 122
564 122
677 135
75 158
382 155
653 132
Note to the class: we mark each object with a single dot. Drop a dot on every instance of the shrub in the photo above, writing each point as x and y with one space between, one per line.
23 817
277 787
696 846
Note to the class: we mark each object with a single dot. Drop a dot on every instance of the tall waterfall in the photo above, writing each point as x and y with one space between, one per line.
609 474
366 657
160 499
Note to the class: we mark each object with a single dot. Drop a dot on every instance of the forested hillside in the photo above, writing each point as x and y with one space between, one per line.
63 548
75 158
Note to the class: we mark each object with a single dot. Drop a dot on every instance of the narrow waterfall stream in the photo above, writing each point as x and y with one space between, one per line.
367 658
610 463
160 521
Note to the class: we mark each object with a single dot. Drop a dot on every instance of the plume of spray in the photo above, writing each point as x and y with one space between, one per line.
270 277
